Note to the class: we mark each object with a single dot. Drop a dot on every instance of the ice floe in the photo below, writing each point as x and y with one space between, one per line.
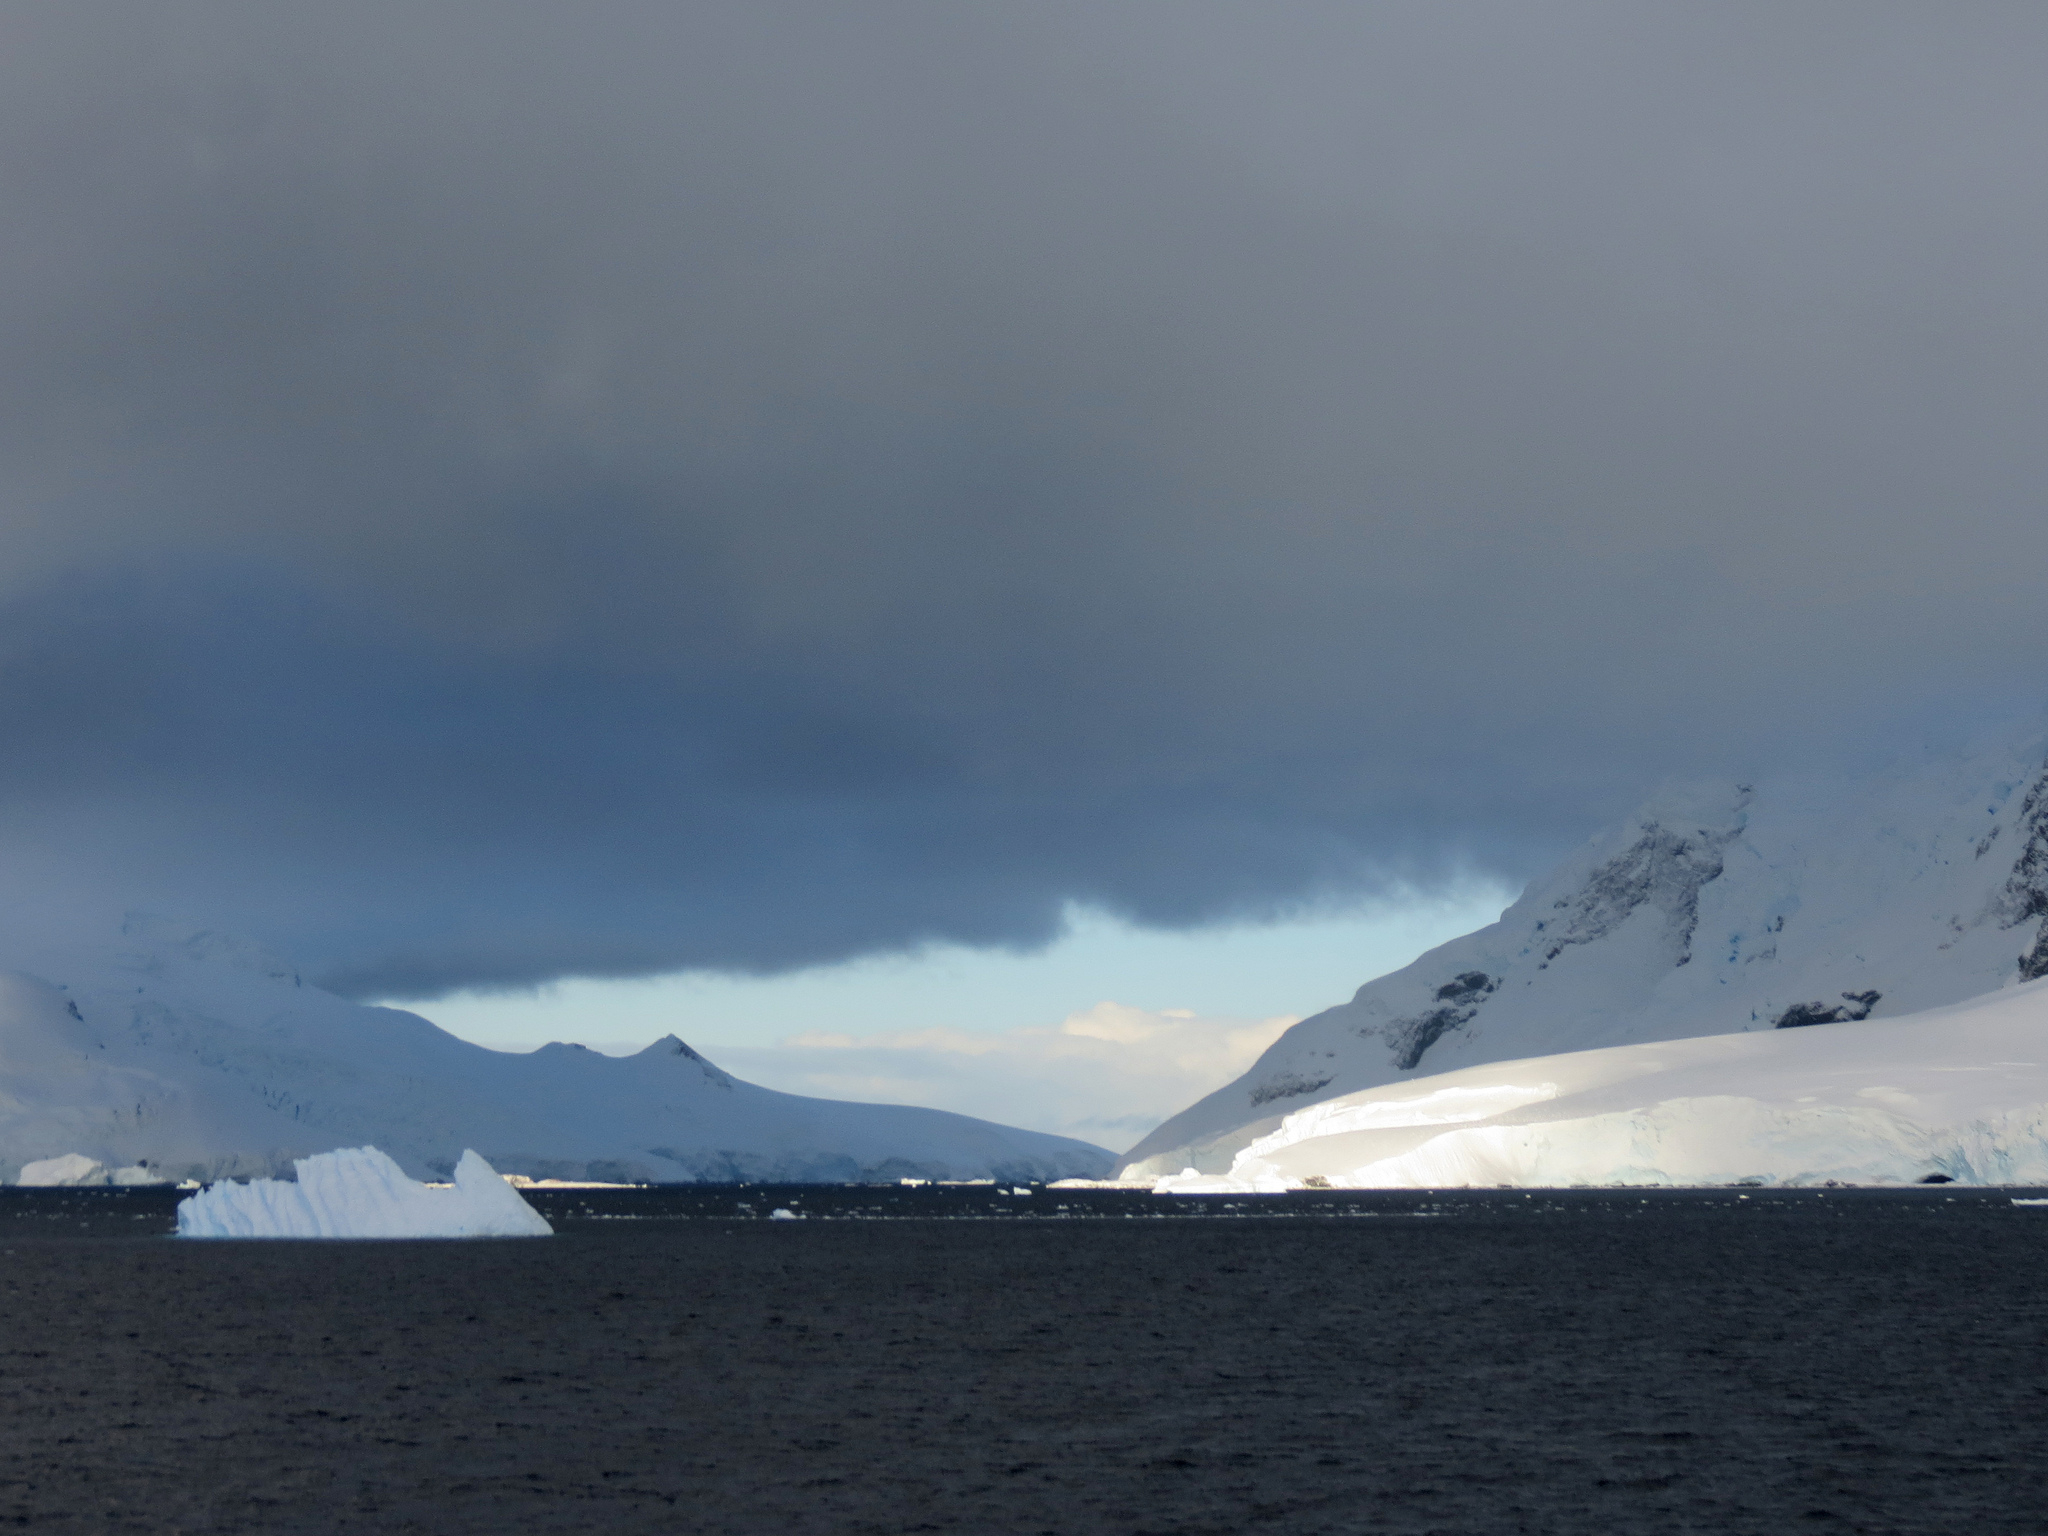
1951 1094
360 1192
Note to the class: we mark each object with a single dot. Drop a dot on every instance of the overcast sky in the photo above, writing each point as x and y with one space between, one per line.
493 492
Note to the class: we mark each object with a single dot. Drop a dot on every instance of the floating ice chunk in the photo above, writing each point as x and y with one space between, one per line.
783 1213
74 1170
360 1192
69 1171
1238 1181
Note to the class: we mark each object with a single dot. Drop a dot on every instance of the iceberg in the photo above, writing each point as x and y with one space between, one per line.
74 1170
360 1192
1950 1095
69 1171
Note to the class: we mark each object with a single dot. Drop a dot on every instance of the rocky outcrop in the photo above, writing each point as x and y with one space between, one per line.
1854 1007
1458 1001
1288 1085
2026 890
1664 868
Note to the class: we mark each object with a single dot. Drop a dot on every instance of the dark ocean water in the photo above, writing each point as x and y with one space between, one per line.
965 1359
33 1214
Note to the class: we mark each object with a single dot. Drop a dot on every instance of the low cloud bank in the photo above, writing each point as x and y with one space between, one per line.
502 493
1107 1074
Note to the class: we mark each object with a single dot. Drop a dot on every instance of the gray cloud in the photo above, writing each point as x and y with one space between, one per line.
493 492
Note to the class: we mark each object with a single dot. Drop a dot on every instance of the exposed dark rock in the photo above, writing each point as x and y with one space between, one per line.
1799 1015
1937 1178
2026 890
1460 997
669 1045
1288 1085
1855 1006
2034 963
1467 984
2027 887
1662 868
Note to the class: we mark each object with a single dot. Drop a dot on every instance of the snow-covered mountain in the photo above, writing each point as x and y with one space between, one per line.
1715 909
201 1056
1953 1095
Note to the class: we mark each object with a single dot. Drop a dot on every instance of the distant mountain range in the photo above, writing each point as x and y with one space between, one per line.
1713 910
200 1056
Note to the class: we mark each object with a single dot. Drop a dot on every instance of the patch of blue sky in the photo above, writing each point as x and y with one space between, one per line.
1253 970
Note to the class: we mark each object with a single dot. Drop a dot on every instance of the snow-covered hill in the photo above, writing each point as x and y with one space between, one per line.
1713 910
201 1056
1956 1094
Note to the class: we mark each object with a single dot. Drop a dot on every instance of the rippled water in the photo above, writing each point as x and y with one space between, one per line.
968 1360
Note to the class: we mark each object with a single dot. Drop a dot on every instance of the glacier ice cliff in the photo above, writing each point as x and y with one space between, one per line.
1954 1095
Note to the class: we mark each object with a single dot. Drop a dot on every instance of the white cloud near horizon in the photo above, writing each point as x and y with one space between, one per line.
1107 1074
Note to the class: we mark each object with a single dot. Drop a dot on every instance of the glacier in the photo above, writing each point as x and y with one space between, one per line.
1956 1094
360 1192
196 1055
1768 907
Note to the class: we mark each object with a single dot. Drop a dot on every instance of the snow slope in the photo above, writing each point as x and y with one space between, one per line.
197 1056
1714 909
359 1192
1959 1093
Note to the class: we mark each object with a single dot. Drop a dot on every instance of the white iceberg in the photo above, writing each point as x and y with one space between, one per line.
1956 1094
360 1192
74 1170
69 1171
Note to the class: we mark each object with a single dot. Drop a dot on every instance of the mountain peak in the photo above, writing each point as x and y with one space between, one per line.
1715 908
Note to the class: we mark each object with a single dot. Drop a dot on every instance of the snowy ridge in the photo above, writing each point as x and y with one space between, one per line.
359 1192
195 1056
1714 909
1956 1094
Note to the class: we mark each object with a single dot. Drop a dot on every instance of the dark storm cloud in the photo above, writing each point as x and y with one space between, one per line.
493 492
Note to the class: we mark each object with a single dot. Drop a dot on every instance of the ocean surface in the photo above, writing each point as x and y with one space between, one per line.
973 1359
